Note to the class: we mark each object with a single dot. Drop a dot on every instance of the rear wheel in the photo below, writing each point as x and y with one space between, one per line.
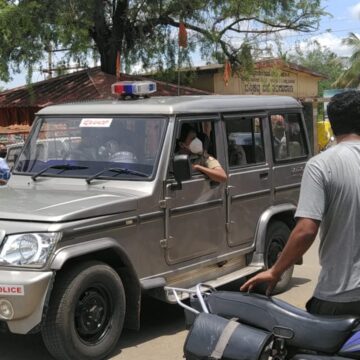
86 313
276 238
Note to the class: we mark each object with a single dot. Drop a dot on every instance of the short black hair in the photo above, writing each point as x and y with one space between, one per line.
344 113
186 128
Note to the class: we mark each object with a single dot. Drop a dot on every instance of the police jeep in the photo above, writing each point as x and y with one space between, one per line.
115 213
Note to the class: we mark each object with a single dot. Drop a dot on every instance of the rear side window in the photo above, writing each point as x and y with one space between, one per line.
288 137
245 141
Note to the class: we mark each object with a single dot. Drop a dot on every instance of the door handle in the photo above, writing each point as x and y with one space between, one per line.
264 175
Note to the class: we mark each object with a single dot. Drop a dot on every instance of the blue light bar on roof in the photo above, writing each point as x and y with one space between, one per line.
137 88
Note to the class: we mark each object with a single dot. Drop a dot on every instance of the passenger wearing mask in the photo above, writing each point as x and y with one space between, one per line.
191 145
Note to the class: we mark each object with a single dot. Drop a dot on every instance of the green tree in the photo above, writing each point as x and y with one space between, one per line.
143 31
350 77
320 59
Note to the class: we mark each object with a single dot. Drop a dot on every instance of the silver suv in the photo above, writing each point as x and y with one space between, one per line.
114 214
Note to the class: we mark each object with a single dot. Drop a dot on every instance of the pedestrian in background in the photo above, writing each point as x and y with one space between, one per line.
4 172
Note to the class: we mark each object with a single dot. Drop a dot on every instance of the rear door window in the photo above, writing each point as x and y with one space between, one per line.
288 137
245 141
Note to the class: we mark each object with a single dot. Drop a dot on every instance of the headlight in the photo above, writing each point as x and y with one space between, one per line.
32 249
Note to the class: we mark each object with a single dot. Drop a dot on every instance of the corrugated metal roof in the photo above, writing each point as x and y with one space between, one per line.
89 84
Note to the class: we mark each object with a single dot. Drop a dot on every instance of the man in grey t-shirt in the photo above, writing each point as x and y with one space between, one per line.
329 200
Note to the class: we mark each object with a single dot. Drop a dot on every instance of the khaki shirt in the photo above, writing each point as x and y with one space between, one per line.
205 160
212 163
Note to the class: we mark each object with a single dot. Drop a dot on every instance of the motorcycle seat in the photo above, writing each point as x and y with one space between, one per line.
314 332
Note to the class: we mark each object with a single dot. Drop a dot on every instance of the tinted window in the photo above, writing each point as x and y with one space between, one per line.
245 141
288 137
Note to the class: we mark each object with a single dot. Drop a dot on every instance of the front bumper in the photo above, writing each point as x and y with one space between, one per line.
26 291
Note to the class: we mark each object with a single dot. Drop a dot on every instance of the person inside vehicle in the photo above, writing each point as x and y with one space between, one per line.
329 201
191 145
237 155
115 151
87 148
279 139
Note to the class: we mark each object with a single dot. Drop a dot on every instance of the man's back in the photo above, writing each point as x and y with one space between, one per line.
331 180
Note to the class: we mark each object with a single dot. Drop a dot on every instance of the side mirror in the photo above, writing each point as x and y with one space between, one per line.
182 170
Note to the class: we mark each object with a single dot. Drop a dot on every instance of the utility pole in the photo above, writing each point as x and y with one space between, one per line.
49 62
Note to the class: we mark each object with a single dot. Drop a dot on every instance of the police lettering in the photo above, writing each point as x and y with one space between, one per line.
10 290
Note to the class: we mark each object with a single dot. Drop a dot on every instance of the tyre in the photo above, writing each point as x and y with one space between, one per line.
276 237
86 313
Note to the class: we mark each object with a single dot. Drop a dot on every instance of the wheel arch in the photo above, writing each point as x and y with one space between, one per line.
282 212
108 251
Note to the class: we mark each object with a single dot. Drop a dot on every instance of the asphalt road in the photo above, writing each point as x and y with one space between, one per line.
163 333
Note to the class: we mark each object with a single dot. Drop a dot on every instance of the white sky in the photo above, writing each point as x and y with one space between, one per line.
344 18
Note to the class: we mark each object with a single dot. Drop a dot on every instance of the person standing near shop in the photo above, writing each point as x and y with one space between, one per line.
329 201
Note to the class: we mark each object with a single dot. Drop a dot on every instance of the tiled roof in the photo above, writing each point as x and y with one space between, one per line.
89 84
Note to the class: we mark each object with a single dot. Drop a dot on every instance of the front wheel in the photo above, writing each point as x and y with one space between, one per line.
276 238
86 313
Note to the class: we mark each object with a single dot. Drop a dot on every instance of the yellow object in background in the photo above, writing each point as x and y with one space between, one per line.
324 133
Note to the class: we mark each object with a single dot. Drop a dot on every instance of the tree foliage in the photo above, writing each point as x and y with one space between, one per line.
145 32
320 59
350 77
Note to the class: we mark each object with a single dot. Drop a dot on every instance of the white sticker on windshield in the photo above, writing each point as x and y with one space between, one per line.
95 122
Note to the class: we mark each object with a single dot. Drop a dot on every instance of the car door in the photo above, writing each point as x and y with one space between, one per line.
196 212
290 153
249 190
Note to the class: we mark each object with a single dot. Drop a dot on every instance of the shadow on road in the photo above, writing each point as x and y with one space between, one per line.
157 319
23 347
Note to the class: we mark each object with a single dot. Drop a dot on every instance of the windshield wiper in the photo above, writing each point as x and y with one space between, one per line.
117 171
58 167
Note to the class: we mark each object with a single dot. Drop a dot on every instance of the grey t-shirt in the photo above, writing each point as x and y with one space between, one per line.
330 192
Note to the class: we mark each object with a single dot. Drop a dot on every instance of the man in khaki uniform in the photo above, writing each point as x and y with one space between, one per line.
190 144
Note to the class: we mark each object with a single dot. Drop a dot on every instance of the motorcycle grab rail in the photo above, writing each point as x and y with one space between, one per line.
198 291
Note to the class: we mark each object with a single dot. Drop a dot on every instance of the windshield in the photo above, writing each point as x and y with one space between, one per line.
89 146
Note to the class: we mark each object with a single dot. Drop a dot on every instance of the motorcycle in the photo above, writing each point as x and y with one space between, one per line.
247 326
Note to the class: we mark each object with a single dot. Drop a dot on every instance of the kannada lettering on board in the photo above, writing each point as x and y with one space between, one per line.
266 82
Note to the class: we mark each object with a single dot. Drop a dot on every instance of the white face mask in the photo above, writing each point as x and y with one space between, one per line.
196 146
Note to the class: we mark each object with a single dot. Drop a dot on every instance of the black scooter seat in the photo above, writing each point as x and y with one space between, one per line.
314 332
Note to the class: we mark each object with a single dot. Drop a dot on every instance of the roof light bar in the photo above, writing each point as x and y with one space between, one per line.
133 88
